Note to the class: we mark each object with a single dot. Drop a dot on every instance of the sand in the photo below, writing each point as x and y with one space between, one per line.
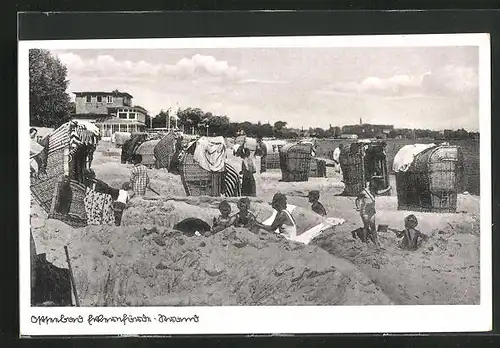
135 265
148 266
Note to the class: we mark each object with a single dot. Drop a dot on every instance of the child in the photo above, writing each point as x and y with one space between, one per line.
283 221
316 206
223 220
365 204
243 218
139 176
119 205
411 235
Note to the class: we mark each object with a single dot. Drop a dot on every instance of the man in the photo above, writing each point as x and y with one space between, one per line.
262 152
35 150
336 157
139 178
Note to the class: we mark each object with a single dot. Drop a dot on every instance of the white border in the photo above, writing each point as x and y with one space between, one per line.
265 320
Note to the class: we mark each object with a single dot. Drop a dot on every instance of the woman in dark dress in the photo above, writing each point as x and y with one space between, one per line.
248 187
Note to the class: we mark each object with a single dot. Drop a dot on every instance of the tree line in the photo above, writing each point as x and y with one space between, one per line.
50 106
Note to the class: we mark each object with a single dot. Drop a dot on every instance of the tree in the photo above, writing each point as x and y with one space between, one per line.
49 103
279 125
190 118
158 121
278 128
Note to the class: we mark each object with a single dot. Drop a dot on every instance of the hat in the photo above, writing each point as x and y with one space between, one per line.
277 198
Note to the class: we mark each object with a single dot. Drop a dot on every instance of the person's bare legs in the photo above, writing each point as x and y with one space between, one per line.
366 228
373 231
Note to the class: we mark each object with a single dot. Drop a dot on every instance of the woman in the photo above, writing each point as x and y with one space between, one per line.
248 187
283 221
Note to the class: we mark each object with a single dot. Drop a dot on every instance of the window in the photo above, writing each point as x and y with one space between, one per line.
99 98
122 115
110 99
89 99
131 116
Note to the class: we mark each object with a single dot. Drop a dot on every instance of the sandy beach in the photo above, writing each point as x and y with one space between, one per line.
142 263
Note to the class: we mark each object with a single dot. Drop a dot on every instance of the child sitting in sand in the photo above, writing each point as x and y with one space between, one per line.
365 204
284 221
243 218
412 237
223 219
316 206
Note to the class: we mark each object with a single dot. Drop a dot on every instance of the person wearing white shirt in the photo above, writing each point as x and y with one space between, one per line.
119 205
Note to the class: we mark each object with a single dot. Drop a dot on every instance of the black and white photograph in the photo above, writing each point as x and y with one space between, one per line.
279 184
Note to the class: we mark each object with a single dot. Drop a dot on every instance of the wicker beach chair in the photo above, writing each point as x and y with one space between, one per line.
198 181
359 166
146 150
165 150
56 165
295 161
431 183
74 215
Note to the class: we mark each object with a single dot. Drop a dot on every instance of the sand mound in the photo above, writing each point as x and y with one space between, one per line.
155 266
169 211
444 271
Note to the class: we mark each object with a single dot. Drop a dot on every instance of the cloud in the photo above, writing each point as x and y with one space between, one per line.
258 81
106 65
445 81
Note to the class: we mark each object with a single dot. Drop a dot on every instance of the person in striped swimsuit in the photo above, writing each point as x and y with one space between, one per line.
365 204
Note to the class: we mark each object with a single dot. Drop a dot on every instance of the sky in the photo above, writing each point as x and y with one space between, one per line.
423 87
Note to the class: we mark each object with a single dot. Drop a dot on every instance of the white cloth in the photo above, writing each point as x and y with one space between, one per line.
122 196
311 233
35 148
90 126
315 231
405 156
336 154
210 153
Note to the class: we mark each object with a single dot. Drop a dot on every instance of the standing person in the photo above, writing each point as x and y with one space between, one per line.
336 157
248 187
262 152
119 205
365 204
283 222
139 178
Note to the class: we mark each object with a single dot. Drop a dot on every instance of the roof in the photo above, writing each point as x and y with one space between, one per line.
115 120
135 108
120 94
88 116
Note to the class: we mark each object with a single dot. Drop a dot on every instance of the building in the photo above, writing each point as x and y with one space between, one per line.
110 111
366 130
